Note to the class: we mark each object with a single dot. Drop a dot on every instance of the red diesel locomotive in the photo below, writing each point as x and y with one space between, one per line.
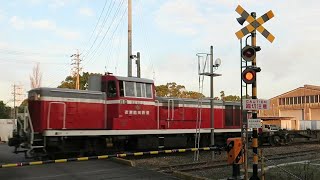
117 113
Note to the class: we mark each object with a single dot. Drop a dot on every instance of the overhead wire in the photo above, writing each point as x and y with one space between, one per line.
95 27
105 34
114 50
145 35
106 17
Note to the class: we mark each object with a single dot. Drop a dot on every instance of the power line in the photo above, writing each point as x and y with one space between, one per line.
95 27
76 68
106 17
114 17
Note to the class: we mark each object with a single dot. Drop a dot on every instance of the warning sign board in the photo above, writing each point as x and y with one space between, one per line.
254 123
256 104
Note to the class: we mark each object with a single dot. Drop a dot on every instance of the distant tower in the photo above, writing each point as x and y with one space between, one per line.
76 68
17 92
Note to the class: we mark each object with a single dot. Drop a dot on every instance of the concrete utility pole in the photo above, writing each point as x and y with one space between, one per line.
76 68
129 38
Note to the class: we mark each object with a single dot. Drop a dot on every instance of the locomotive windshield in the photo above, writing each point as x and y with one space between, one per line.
135 89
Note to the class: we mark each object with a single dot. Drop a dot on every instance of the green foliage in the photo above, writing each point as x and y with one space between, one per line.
70 81
229 97
4 111
173 89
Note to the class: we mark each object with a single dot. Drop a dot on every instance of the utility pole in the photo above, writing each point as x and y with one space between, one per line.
17 95
76 68
211 102
129 38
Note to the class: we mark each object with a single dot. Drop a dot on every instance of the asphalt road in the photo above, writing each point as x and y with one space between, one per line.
93 170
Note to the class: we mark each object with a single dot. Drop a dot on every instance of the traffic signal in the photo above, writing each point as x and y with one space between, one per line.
249 75
248 53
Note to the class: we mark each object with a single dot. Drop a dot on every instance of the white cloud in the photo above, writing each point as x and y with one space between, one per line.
86 11
43 24
180 16
17 23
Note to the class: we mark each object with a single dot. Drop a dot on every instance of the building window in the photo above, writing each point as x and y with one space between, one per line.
316 98
307 99
280 102
283 101
311 99
303 99
299 99
295 100
291 100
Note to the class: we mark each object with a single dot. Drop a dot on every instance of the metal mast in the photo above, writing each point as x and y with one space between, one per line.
129 38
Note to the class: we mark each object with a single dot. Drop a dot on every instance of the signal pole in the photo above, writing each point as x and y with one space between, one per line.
254 113
76 69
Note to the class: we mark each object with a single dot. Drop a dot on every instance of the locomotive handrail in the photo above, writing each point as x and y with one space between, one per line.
172 111
158 113
64 114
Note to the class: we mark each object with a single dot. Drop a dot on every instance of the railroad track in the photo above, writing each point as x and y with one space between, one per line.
199 166
192 166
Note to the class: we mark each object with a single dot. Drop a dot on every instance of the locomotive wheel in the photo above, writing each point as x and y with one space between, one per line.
274 140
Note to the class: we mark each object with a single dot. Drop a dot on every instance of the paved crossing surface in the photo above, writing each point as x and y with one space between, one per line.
94 170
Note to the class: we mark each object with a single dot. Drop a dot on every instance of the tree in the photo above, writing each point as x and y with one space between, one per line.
222 95
70 81
36 77
232 98
4 111
173 89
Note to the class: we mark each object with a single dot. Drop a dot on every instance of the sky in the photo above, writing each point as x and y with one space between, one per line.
167 33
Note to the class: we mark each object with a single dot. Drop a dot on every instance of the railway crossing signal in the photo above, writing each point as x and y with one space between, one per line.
248 53
254 24
234 151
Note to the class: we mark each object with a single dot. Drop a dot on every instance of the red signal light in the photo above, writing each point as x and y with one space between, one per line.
249 76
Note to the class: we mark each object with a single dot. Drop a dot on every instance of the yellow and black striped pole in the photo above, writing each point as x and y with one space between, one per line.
254 113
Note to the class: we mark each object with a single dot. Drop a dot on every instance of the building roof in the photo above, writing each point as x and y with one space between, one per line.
306 86
270 118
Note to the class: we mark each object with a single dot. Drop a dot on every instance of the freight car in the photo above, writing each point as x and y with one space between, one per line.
115 114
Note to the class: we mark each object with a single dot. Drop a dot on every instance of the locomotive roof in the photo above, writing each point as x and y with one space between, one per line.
205 101
135 79
64 92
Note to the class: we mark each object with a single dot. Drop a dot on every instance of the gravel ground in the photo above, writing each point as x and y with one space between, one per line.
154 162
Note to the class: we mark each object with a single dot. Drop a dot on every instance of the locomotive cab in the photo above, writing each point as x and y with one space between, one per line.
130 101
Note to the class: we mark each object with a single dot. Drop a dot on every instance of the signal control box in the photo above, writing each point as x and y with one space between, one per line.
234 151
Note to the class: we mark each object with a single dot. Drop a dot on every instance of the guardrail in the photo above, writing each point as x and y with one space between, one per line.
110 156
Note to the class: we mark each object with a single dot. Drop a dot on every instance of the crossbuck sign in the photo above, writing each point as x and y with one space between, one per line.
256 104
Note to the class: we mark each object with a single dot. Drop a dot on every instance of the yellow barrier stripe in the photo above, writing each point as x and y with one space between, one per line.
154 152
168 151
36 163
194 149
138 153
271 38
9 165
122 155
206 148
82 158
60 160
270 14
103 157
182 150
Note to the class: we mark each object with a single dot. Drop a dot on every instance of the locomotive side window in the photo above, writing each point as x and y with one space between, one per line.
112 90
121 88
229 115
129 88
148 91
138 89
